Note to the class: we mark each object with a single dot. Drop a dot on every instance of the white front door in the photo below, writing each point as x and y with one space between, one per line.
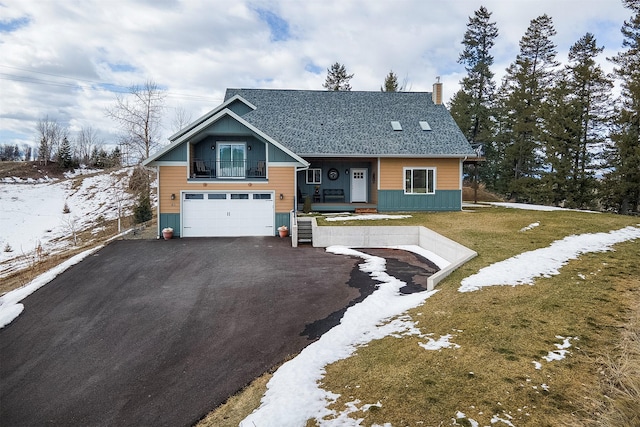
358 185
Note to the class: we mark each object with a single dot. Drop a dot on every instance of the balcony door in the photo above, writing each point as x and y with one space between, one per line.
232 158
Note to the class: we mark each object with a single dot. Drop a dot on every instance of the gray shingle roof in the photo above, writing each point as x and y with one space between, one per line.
325 123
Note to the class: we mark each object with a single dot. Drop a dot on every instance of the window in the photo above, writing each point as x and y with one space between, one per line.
262 196
314 176
396 125
194 196
419 180
231 159
217 196
237 196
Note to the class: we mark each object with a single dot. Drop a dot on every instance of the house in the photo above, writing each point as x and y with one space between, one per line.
242 168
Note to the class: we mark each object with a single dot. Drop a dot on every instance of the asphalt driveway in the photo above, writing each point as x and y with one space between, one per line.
157 333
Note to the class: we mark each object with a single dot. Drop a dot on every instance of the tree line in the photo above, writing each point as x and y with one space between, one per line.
553 133
55 144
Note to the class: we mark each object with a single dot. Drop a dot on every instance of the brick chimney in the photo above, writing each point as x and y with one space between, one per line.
436 95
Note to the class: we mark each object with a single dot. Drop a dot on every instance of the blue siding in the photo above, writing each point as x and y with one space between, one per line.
170 220
228 126
203 150
178 154
240 108
276 155
282 219
343 181
442 200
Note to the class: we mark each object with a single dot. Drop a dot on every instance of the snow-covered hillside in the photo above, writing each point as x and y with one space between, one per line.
33 219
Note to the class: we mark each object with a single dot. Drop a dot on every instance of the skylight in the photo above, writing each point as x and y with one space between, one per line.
396 125
424 125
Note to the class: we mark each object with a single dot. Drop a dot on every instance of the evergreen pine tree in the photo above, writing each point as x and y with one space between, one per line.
142 210
391 83
65 162
521 96
337 78
589 94
622 184
471 106
43 150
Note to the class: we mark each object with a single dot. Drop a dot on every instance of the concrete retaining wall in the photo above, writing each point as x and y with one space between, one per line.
377 237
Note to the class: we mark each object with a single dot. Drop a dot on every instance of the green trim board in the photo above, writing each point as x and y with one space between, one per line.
442 200
170 220
282 219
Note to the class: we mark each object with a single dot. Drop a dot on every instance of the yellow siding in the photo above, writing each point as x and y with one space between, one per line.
447 172
173 179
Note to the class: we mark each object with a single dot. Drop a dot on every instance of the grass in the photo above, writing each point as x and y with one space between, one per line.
503 330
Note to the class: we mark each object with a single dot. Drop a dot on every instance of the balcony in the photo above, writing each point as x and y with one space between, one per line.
234 169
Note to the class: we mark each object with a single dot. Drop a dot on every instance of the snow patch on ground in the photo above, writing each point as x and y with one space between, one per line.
461 415
545 262
293 395
530 227
431 256
10 306
561 351
366 217
497 419
32 215
439 344
529 207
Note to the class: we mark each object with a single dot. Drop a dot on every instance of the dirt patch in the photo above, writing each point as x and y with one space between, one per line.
33 170
411 268
483 195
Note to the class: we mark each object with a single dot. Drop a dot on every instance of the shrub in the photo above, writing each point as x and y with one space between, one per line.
142 211
306 208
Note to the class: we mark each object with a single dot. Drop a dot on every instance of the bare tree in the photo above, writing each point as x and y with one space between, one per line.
139 115
86 139
181 118
50 135
26 149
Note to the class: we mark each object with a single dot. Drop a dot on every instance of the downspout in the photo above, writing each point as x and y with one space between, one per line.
461 179
158 206
295 182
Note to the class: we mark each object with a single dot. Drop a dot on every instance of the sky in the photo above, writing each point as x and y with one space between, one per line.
65 60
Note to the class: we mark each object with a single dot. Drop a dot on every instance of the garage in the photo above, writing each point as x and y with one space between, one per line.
226 214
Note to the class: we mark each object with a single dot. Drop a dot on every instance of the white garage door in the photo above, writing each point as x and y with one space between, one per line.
227 214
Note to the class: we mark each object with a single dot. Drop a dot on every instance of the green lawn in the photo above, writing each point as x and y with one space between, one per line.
501 331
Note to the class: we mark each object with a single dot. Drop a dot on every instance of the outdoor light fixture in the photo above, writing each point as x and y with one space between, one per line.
173 196
346 171
281 196
249 147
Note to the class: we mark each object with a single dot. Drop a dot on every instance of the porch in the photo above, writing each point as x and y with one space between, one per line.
341 207
235 169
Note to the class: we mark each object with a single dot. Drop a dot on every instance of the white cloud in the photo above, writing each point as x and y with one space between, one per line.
198 48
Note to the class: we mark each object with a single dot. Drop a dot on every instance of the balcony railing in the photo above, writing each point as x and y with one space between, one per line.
233 169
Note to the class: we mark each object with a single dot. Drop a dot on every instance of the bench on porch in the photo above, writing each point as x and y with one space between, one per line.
333 195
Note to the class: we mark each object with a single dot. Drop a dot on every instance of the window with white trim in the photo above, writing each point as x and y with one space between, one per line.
419 180
314 176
